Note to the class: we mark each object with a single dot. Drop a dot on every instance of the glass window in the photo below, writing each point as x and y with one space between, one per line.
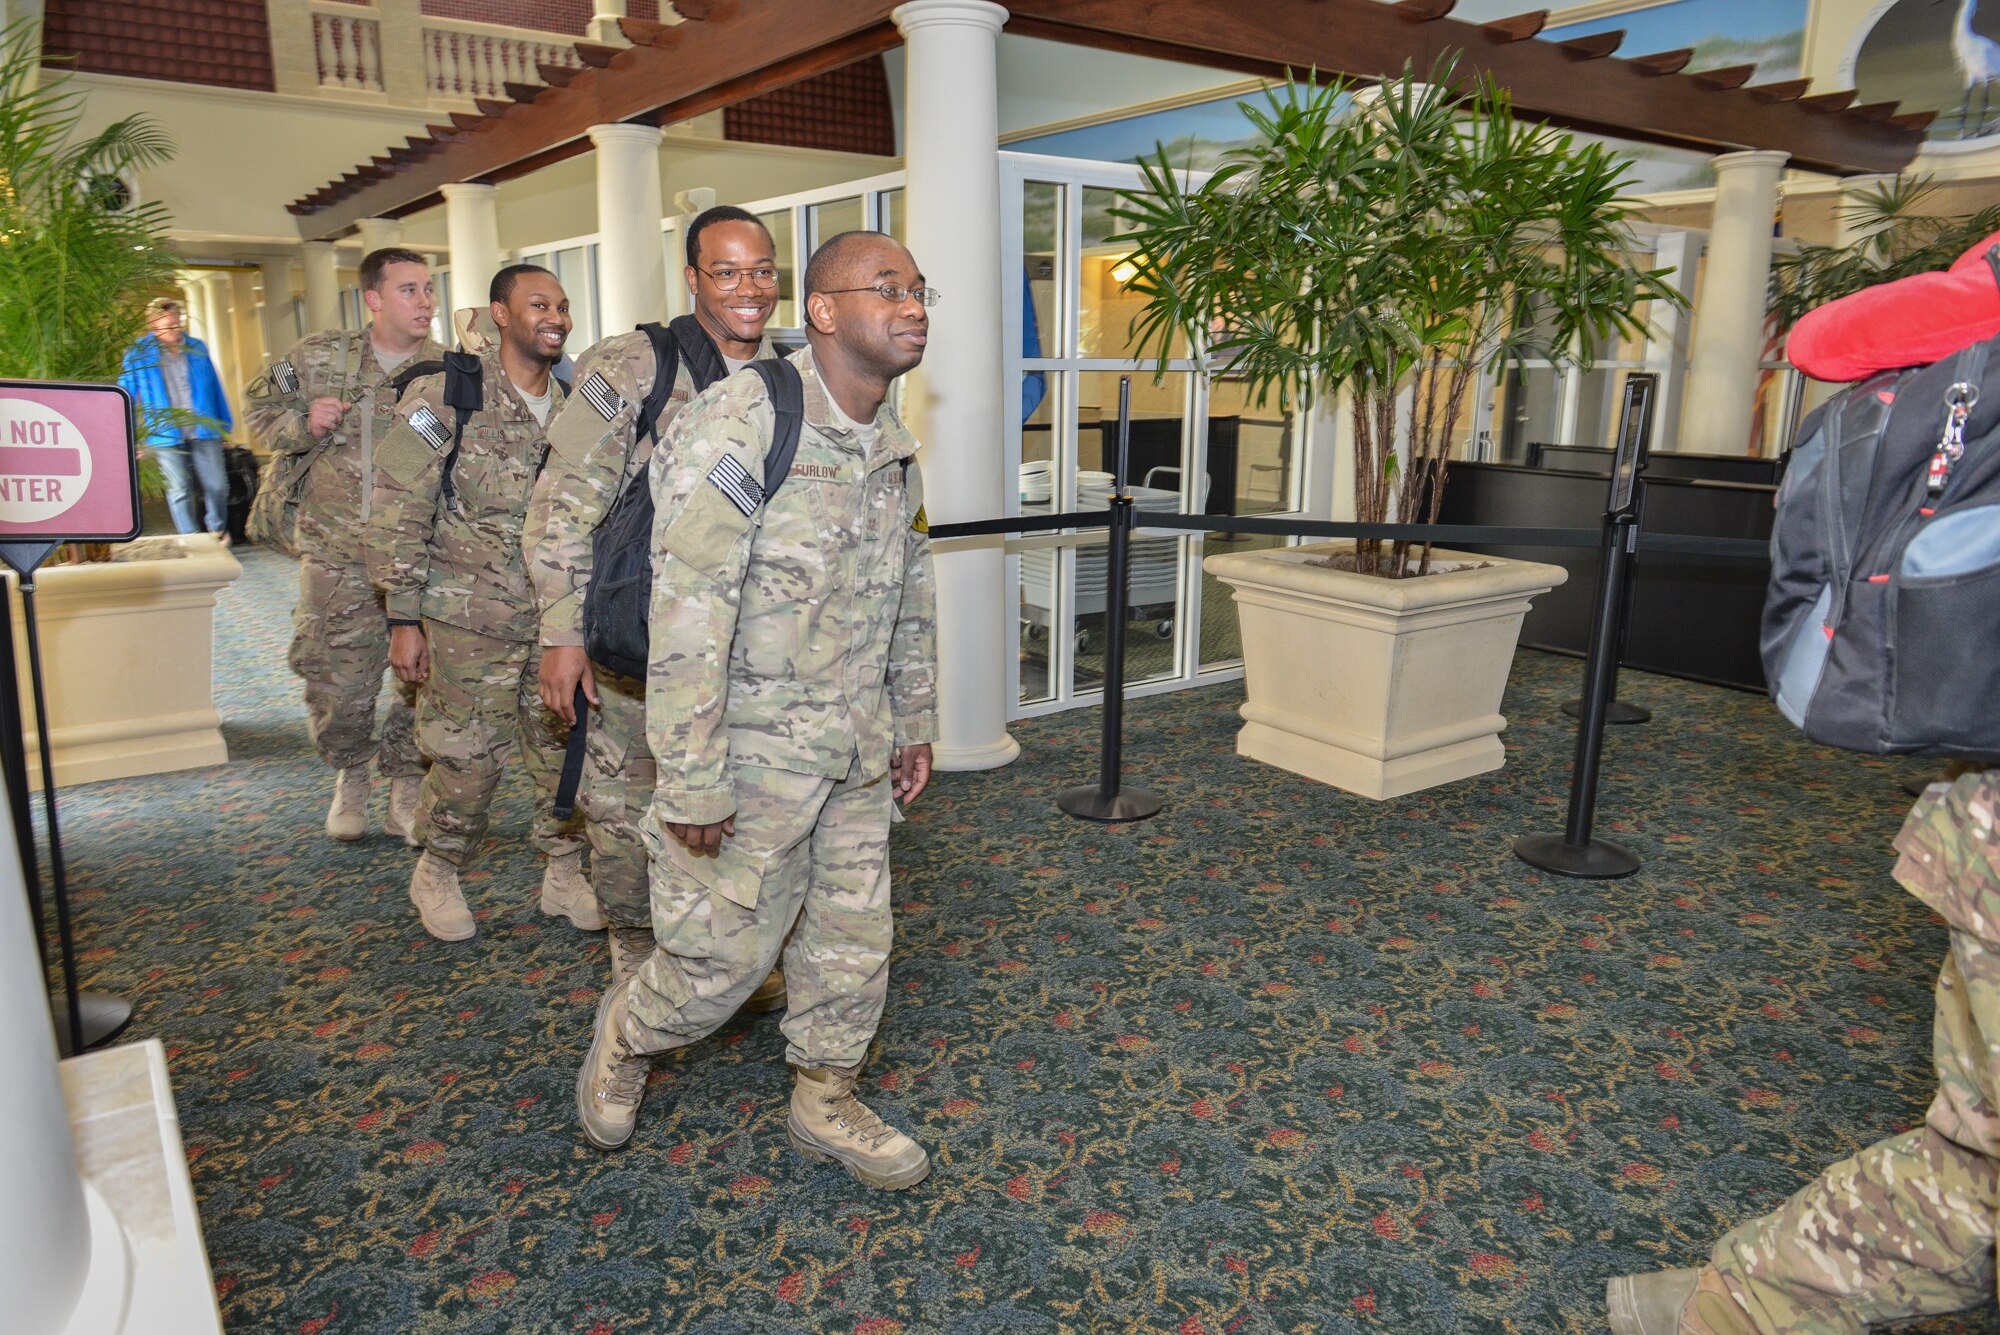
1041 395
1106 309
889 209
1252 453
576 269
1221 635
779 225
1526 409
1041 218
828 220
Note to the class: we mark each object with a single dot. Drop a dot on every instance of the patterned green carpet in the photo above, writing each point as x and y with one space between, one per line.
1279 1060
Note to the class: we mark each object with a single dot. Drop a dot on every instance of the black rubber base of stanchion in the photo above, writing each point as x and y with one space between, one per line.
1598 860
1090 803
104 1018
1617 711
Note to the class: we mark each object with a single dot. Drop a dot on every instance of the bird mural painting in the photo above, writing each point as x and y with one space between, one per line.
1978 58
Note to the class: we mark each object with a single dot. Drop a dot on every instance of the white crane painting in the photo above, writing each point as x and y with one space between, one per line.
1978 58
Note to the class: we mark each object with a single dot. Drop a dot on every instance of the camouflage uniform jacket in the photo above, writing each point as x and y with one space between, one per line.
340 364
458 562
594 450
1950 847
797 632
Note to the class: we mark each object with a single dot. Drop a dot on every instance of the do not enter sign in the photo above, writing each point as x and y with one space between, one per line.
68 466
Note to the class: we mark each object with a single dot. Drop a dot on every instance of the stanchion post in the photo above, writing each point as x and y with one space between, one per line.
1575 852
1107 799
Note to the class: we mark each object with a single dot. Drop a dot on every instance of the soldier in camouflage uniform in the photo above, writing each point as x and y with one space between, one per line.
330 397
790 701
595 450
445 547
1906 1227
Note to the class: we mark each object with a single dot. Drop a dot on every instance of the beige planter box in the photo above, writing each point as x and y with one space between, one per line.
128 650
1381 687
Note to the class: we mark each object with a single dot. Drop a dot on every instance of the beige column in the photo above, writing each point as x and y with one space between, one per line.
691 203
246 331
631 266
377 233
1729 311
277 305
951 117
603 29
322 271
472 234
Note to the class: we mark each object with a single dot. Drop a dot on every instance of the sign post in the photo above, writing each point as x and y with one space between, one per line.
69 472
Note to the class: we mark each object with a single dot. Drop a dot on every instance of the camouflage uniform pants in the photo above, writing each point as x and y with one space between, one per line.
617 788
1906 1227
806 849
340 645
481 698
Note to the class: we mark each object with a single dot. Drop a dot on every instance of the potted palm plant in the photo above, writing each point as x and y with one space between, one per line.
127 634
1379 250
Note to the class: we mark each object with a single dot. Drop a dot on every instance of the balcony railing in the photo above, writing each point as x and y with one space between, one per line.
465 60
461 59
348 48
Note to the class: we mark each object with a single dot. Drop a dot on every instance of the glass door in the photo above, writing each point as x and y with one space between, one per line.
1195 448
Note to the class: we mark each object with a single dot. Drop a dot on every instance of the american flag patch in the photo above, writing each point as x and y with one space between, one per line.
427 425
286 377
733 480
602 397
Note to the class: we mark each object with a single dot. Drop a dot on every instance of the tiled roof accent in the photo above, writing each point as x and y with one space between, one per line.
566 16
842 111
226 43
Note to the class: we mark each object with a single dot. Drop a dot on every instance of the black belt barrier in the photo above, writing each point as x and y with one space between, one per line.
1572 853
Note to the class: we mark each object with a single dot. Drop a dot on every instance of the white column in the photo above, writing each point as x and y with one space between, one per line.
1729 319
277 305
691 205
44 1229
472 234
951 118
222 329
322 286
603 29
631 266
377 233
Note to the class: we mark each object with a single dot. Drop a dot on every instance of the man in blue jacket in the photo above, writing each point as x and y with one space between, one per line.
166 370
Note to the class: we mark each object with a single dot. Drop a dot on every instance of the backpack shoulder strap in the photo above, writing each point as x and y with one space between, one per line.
698 350
464 394
666 365
788 401
415 371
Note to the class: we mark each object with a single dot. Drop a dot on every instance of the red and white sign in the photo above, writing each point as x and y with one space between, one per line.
68 463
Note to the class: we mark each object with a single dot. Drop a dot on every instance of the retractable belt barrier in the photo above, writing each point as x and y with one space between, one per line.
1574 852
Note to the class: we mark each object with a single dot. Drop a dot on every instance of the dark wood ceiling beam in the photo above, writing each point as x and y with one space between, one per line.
1789 91
1663 62
746 47
1365 40
1518 28
1596 46
1829 102
1730 76
1423 11
557 76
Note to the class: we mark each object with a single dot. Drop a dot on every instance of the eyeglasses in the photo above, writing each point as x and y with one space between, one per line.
925 296
728 280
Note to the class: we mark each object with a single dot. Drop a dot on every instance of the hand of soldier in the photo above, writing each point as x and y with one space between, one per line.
564 668
323 415
911 768
409 653
703 839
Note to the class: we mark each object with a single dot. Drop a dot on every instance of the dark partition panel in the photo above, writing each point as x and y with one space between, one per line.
1706 467
1692 616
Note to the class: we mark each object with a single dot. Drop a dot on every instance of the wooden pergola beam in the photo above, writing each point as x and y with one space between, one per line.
1366 40
744 48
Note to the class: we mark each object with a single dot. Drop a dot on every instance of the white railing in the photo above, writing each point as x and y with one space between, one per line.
466 60
348 50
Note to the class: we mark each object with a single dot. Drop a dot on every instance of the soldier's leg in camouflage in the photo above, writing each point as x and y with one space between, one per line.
837 970
566 891
332 660
617 786
720 921
1906 1227
400 759
466 724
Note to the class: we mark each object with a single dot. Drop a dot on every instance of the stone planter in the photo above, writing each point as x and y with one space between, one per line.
1381 687
127 660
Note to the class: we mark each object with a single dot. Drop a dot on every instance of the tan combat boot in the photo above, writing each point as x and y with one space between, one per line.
1649 1304
434 890
770 994
566 894
401 822
347 818
629 948
613 1078
829 1122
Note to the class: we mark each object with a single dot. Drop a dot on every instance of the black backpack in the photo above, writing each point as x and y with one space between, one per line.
464 394
1882 622
617 608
